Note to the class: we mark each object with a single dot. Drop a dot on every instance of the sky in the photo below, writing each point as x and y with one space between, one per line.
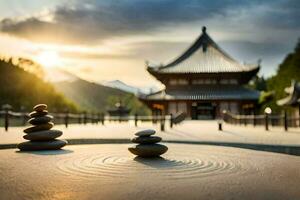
100 40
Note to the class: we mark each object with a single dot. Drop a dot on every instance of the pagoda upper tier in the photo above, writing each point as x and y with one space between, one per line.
204 57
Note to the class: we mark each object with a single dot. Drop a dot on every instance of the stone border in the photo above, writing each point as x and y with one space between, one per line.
284 149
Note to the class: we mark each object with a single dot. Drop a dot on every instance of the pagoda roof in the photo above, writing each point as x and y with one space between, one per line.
203 56
293 97
228 92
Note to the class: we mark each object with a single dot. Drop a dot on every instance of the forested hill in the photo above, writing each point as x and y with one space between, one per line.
288 70
95 97
20 88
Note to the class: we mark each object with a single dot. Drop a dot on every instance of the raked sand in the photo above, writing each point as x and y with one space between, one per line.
109 171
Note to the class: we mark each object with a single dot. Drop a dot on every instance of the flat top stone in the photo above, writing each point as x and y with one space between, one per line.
146 132
40 107
109 171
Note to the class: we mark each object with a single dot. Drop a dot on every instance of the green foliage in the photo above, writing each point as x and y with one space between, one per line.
20 88
266 97
98 98
258 83
288 70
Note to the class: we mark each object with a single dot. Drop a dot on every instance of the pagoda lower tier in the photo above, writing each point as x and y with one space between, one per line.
203 102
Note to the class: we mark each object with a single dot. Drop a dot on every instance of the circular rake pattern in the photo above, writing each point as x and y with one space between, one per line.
189 164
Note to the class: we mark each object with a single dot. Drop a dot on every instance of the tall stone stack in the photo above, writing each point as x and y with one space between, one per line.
147 144
39 134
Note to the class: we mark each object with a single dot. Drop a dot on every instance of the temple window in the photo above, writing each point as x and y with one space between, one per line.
181 107
173 81
172 108
178 82
204 81
233 107
183 82
233 81
177 107
224 81
197 81
229 81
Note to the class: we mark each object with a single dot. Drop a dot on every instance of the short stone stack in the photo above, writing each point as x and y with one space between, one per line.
39 135
147 144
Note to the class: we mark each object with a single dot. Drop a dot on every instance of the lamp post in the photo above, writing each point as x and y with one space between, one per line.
268 111
6 108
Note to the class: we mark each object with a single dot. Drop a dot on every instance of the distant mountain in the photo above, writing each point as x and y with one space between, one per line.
21 88
98 98
128 88
122 86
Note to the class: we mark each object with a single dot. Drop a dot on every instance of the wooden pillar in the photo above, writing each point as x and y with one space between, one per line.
67 119
135 120
84 117
98 118
267 121
162 122
6 119
299 116
24 115
171 120
24 118
102 118
220 126
79 118
285 121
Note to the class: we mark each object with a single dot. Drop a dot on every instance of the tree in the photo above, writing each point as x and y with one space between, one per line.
288 70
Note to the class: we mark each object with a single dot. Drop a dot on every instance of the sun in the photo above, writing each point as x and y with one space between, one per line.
49 59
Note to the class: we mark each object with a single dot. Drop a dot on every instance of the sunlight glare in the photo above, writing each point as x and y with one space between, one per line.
48 59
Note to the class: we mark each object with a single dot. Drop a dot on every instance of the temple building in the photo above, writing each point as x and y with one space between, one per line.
203 82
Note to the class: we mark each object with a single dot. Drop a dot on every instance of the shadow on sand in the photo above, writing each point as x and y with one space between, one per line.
47 152
158 162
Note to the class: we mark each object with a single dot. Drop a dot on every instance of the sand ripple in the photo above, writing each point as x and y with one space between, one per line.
180 166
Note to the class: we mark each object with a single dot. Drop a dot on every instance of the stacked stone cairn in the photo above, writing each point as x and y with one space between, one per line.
147 144
39 134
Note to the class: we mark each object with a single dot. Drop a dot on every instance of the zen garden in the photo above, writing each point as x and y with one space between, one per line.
149 100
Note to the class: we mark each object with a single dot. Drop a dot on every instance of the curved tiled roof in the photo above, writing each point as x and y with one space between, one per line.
204 56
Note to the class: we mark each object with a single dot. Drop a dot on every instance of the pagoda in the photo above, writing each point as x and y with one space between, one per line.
202 83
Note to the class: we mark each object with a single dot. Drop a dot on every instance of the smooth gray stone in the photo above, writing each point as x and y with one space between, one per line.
40 107
39 145
40 120
146 140
41 127
38 114
145 133
43 135
148 150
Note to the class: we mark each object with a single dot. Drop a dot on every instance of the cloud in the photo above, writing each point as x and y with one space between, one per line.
94 21
89 55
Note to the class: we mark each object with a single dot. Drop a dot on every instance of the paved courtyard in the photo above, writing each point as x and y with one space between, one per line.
197 131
